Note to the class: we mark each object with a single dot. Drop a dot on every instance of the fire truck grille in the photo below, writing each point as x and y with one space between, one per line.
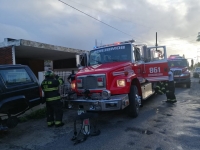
177 72
91 82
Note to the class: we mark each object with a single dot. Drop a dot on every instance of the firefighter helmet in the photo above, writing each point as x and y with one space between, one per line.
49 73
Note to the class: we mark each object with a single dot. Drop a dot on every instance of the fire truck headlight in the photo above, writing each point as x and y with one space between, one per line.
73 85
121 83
79 83
105 94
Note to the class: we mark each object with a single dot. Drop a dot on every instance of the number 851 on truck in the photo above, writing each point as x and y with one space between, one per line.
118 76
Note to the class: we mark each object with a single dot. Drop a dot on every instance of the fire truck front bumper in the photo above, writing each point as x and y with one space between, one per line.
182 80
116 102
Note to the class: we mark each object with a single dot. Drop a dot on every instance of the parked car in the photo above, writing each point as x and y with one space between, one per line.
196 72
19 91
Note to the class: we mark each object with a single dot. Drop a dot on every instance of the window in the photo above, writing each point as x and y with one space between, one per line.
15 76
178 63
137 54
197 69
110 54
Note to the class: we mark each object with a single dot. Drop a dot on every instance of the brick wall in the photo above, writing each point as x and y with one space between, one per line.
6 55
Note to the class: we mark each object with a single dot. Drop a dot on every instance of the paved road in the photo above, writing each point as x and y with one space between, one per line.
159 126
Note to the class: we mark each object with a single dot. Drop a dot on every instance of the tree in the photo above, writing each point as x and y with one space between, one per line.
198 37
192 63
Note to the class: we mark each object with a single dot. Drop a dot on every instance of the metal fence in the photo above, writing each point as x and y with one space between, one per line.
66 87
63 74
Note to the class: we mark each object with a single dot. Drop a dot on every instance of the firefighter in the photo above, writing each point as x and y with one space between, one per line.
50 86
160 88
163 87
71 77
170 88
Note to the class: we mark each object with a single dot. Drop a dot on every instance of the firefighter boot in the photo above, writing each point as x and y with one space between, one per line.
60 124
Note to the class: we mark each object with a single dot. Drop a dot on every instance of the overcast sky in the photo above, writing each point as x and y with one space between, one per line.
177 22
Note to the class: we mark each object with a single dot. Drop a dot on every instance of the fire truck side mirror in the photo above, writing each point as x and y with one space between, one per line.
78 61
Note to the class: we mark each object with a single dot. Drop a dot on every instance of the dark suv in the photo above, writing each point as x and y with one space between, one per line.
19 91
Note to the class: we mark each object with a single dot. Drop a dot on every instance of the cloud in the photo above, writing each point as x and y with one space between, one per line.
9 31
53 22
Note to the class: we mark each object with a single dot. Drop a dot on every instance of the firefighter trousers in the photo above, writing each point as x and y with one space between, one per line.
54 108
170 91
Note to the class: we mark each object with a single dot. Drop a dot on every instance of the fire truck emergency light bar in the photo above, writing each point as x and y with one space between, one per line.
175 57
114 44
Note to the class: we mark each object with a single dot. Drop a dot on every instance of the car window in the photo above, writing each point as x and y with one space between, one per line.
197 69
1 90
15 76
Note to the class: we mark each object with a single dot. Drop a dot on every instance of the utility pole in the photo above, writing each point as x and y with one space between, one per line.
156 41
96 42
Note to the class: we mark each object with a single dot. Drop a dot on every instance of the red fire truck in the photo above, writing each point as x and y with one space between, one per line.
179 66
118 76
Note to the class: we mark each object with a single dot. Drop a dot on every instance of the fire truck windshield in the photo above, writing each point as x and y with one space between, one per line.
178 63
110 54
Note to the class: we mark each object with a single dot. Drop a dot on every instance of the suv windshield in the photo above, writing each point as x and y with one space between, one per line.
178 63
15 76
110 54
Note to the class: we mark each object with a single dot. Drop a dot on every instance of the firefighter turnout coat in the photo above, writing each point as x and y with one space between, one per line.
50 86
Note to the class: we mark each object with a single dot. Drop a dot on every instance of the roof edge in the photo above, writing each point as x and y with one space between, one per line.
9 42
49 46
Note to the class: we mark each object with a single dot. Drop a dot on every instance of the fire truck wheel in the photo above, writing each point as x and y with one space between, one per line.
133 108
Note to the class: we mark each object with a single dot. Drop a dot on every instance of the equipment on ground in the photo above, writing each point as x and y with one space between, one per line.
87 128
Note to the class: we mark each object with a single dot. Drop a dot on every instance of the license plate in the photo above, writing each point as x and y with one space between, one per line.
80 111
176 76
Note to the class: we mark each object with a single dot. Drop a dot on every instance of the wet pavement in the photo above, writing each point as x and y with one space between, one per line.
159 126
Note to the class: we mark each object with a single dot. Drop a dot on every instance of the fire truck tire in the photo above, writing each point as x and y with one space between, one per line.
133 108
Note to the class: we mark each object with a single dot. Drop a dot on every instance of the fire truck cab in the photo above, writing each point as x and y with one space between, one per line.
118 76
179 66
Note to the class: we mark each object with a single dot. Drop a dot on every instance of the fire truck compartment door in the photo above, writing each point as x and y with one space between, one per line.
146 90
156 70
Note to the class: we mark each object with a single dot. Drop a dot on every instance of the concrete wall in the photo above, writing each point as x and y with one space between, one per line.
6 56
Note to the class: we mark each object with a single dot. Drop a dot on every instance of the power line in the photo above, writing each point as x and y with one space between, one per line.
118 18
95 18
114 15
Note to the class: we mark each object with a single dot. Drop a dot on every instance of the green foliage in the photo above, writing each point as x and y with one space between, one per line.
197 65
198 38
38 114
